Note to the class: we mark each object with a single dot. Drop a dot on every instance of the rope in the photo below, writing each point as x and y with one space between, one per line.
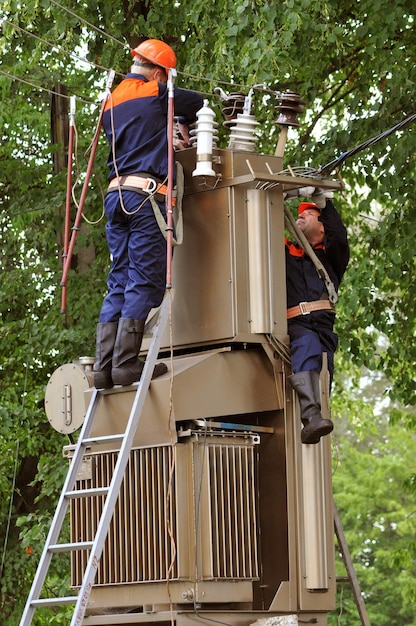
177 210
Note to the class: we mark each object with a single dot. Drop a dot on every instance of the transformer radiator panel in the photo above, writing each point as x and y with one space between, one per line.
185 511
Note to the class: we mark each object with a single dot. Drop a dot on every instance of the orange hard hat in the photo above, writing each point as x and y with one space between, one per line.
156 52
307 205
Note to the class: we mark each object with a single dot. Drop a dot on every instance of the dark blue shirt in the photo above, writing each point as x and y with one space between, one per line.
303 284
136 112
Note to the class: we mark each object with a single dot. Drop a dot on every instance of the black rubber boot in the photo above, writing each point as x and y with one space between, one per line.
106 336
306 385
127 369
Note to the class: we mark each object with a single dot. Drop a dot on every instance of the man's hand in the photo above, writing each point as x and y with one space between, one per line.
306 192
183 139
320 196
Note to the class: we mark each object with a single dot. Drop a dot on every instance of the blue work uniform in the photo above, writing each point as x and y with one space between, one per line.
312 334
135 124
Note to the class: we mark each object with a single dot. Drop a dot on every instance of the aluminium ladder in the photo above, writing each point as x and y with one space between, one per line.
111 492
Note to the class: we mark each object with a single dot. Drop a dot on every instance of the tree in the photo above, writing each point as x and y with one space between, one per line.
353 66
378 517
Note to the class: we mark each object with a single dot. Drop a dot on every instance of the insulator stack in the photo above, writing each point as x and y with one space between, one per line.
205 126
193 135
289 106
242 135
233 104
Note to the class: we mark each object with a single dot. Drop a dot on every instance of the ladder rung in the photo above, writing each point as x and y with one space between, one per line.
55 601
86 493
68 547
103 439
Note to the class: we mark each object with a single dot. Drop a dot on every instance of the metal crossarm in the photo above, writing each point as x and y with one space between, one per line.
52 545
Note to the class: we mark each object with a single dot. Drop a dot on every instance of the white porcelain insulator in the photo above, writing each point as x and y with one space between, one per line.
204 144
242 135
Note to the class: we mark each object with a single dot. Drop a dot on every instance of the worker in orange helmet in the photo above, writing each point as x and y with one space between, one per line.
135 124
310 313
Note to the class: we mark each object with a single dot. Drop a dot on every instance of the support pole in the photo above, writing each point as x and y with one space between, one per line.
169 196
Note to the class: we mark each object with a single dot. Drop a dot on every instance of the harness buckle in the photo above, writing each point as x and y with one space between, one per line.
151 185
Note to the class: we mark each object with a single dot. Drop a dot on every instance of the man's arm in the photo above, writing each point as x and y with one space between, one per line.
336 239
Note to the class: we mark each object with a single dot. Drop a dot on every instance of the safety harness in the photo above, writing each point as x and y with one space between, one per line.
148 186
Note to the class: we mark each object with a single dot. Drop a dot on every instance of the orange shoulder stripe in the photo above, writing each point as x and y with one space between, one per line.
130 89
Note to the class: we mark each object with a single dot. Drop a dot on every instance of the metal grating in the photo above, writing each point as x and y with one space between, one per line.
153 536
140 542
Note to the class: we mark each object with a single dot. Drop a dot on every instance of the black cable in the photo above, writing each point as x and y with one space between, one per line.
329 167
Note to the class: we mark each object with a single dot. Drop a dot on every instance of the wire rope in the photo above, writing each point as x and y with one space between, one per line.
98 30
54 46
40 88
263 88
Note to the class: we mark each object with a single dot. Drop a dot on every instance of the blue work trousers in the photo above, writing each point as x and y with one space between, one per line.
137 278
307 346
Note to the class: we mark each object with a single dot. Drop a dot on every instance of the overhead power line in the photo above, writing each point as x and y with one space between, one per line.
102 68
54 46
126 46
28 82
81 19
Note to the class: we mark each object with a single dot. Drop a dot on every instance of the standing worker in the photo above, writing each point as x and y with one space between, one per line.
135 123
310 313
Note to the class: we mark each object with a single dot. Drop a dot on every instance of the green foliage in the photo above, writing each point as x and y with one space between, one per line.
353 64
379 522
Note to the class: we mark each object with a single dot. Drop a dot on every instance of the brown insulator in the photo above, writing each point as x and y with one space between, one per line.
232 106
289 105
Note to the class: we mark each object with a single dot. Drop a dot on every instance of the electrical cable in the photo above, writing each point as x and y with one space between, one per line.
98 30
262 88
86 181
54 46
39 88
329 167
9 515
102 32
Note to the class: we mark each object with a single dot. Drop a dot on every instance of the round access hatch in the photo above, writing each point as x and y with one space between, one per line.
65 401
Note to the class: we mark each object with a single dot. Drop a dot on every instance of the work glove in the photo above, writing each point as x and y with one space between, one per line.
305 192
320 196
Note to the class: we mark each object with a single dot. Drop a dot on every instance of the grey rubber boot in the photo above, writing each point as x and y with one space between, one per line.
106 336
127 369
306 385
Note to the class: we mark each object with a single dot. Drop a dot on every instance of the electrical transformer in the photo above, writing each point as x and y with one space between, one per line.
223 515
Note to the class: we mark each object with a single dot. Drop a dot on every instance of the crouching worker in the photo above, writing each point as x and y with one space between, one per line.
310 313
135 123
